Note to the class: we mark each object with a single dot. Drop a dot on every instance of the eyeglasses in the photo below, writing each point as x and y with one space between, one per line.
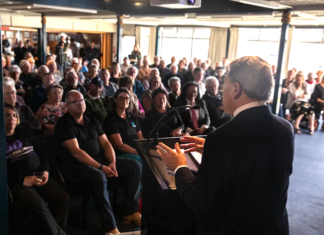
76 101
123 98
10 93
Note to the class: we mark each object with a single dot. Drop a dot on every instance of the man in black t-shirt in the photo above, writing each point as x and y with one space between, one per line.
91 158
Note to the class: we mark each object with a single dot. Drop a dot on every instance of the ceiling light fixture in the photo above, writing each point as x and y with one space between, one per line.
263 3
137 3
65 8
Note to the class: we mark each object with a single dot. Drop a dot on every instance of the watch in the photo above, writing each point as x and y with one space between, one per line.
100 167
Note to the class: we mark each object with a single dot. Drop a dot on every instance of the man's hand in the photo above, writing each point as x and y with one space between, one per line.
201 131
45 179
112 166
107 171
195 132
30 181
176 132
196 144
173 159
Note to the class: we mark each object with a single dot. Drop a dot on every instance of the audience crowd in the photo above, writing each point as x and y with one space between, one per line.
93 116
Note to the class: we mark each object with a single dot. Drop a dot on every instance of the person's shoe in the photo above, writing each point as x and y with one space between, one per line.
113 232
135 218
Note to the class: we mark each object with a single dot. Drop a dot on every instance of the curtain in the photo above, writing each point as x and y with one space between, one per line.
138 35
217 44
152 44
233 42
285 68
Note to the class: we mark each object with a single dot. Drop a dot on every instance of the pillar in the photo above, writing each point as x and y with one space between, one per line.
3 161
158 41
119 38
43 48
286 18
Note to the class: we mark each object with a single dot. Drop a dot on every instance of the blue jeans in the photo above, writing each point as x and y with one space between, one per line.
130 172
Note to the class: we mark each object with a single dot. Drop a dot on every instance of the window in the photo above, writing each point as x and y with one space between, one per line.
259 42
184 42
145 38
307 50
128 43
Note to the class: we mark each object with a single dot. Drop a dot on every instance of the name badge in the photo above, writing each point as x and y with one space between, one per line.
133 124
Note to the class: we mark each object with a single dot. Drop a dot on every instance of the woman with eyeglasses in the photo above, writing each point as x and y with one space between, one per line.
29 179
196 121
123 128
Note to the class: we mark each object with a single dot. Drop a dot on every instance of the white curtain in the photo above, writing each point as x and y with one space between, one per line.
138 35
285 65
233 42
152 44
217 44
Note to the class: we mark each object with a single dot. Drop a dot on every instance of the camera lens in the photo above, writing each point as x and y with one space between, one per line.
191 2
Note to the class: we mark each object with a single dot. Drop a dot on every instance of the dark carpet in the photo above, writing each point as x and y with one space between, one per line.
306 192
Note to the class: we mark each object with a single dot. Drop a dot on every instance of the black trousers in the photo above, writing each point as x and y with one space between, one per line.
130 172
52 217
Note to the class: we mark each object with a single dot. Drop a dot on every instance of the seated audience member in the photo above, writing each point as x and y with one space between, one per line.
175 85
139 63
115 73
5 71
144 71
135 107
109 87
318 98
41 72
53 69
122 128
195 61
21 87
96 62
163 69
147 101
96 106
205 69
172 128
73 83
63 83
311 83
19 52
93 72
84 67
39 95
198 75
219 73
196 121
209 67
285 87
298 103
125 66
319 77
49 57
185 61
226 63
27 117
173 61
182 67
49 113
199 61
214 103
188 75
156 62
173 73
138 88
26 76
28 177
76 67
31 60
91 158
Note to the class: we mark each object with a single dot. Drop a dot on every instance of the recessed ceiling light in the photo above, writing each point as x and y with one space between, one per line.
29 7
137 3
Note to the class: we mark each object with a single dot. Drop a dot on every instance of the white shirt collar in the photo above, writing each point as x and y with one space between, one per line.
189 102
92 97
248 106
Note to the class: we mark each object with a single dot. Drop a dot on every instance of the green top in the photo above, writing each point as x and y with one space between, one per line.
98 108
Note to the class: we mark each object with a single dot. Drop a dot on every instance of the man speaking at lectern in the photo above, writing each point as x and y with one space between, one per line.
242 182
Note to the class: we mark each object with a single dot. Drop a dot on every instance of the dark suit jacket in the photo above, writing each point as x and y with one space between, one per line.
186 118
242 182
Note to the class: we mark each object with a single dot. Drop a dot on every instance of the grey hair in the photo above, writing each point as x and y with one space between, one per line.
23 63
96 61
68 74
94 66
254 75
174 65
8 81
14 68
173 79
69 93
211 78
132 68
154 70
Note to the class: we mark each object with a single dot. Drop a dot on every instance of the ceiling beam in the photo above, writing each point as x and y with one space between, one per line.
309 7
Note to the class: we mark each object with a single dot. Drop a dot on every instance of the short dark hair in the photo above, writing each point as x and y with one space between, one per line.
197 70
158 91
124 81
52 86
121 90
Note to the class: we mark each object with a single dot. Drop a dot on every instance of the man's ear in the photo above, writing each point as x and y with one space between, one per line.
237 90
